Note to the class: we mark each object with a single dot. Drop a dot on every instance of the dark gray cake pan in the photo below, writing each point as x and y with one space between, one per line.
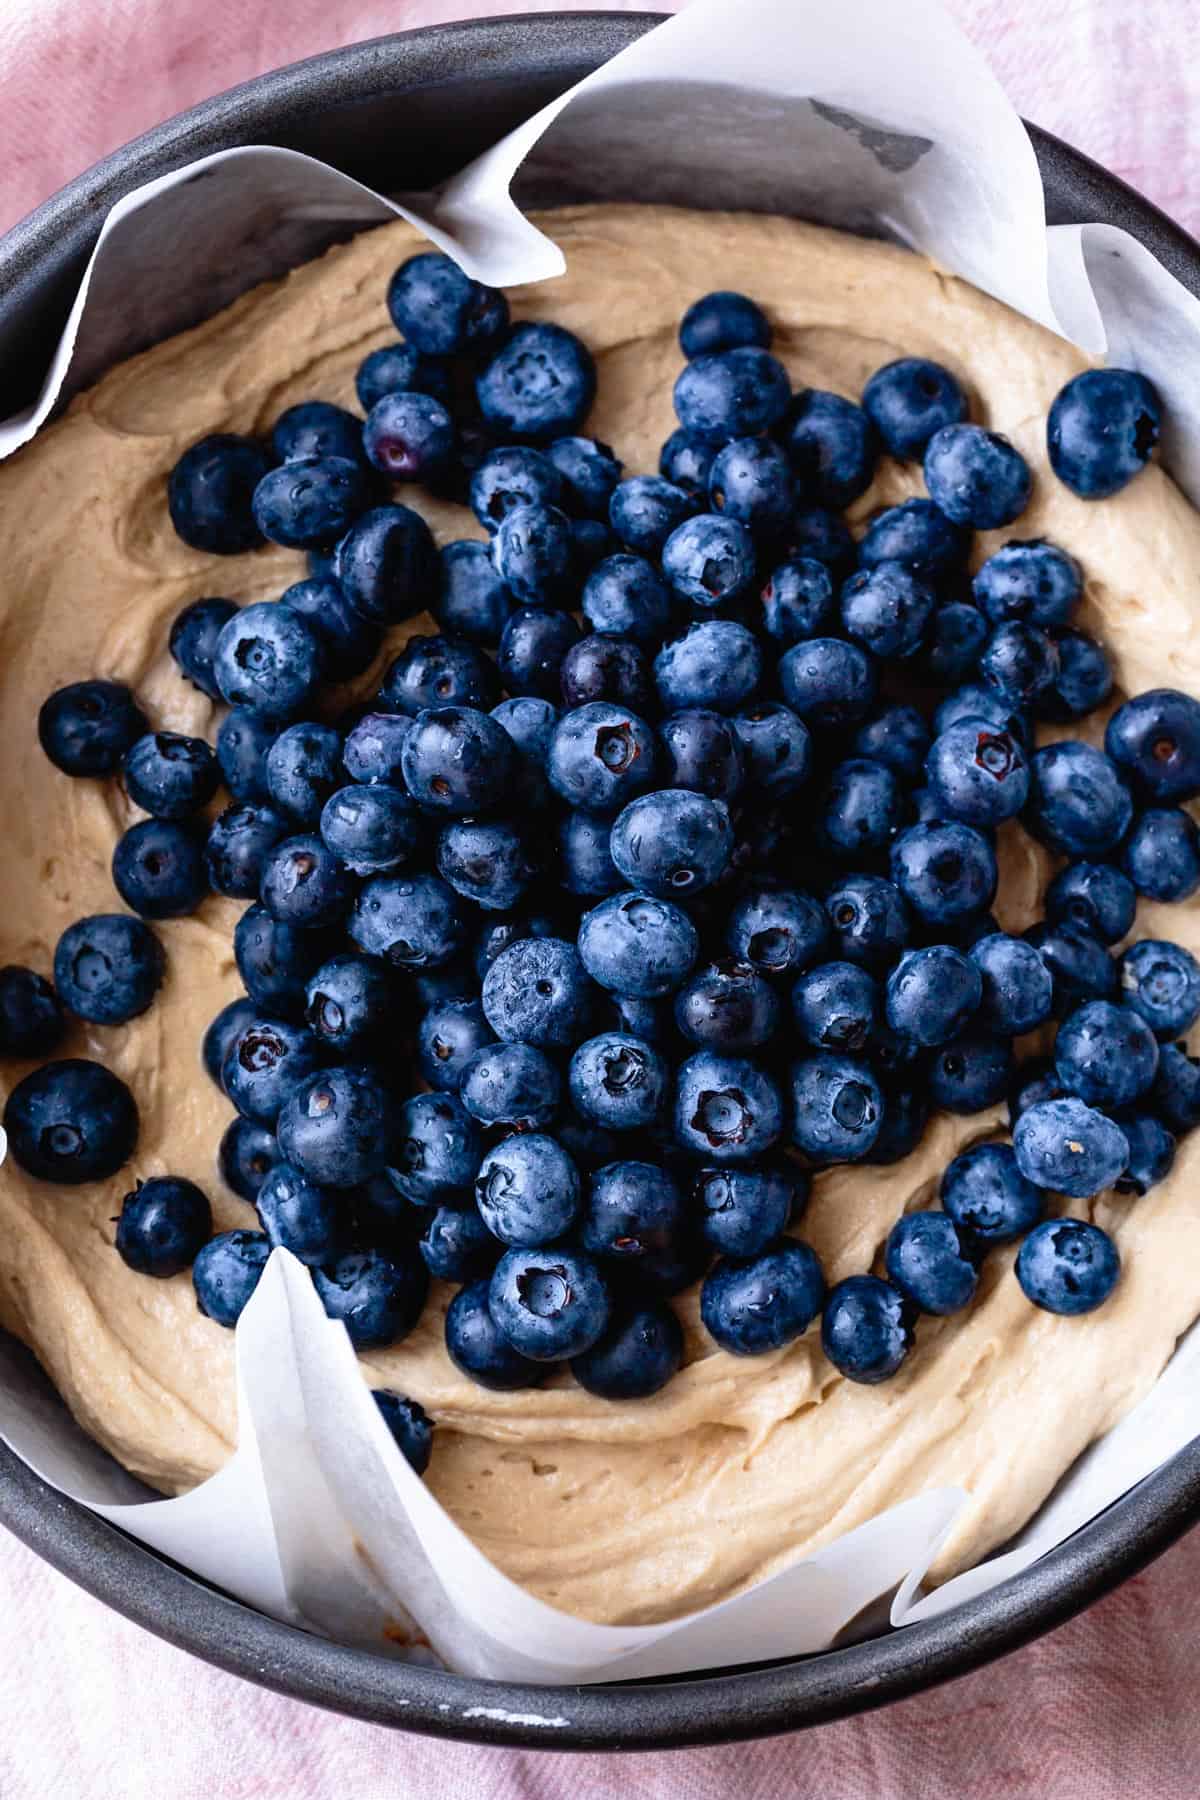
399 113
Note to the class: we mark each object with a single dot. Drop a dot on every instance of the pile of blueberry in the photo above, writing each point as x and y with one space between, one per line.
664 870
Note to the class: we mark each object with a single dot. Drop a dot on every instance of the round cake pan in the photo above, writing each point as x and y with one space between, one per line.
399 113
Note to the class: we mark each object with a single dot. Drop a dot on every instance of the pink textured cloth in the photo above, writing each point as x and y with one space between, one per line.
1104 1708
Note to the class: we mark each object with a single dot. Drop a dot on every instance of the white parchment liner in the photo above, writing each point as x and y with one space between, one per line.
867 115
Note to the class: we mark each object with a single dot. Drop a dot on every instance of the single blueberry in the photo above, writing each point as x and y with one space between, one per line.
634 943
954 641
70 1122
778 930
1068 1266
371 753
1151 1154
1093 897
371 829
349 1003
717 664
304 883
727 1109
549 1304
533 645
837 1107
730 394
930 1263
896 736
742 1211
537 992
908 400
722 320
297 1215
600 668
976 477
832 446
411 921
977 774
931 994
276 961
540 385
338 1126
193 641
1161 981
440 310
456 1244
1102 429
245 1157
1154 739
476 1345
265 1062
798 601
210 493
1020 663
387 565
1032 580
226 1272
108 968
472 602
396 367
158 869
31 1017
317 428
514 1085
764 1302
164 1224
987 1197
243 745
312 501
268 658
457 761
751 480
410 1426
685 463
918 534
86 728
638 1354
303 768
528 1190
378 1298
828 682
1018 988
409 436
1084 680
867 1328
1161 855
970 1073
870 920
728 1006
1106 1054
222 1034
835 1006
1069 1147
946 872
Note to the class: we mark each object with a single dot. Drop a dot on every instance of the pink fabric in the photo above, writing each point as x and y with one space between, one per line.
92 1706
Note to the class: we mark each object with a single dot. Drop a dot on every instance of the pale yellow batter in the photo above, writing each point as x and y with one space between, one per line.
619 1512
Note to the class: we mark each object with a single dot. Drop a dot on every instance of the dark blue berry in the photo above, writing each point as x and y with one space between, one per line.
71 1122
1161 855
633 1211
476 1345
702 752
600 756
243 745
245 1157
727 1006
210 491
870 920
977 774
226 1272
837 1107
304 883
624 596
618 1081
449 1035
338 1126
918 534
1068 1266
1067 1146
828 682
303 768
540 385
1154 739
1175 1096
371 829
672 842
930 1263
411 921
709 560
908 400
1151 1154
685 463
954 642
931 994
409 1425
158 869
1020 663
898 737
742 1211
533 645
533 551
472 601
394 367
373 746
266 1061
317 428
1084 680
822 536
299 1216
31 1018
528 1190
946 872
86 728
387 565
1093 897
193 641
1018 988
456 1244
1031 580
722 320
586 865
1033 1082
976 477
438 671
985 1194
717 664
730 394
223 1033
752 481
164 1224
832 447
437 1149
268 658
969 1073
311 501
440 310
276 961
835 1006
776 748
1081 967
764 1302
378 1298
549 1304
634 943
612 669
537 992
798 601
727 1109
976 701
349 1003
867 1328
861 810
511 1084
589 470
638 1354
1106 1054
1102 429
108 968
644 510
409 436
1161 982
457 761
778 930
487 861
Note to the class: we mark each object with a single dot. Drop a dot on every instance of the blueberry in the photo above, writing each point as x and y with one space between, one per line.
108 968
316 428
497 934
349 643
633 1211
299 1216
472 601
86 728
1018 989
717 664
226 1272
338 1127
822 536
1102 429
870 920
722 320
210 491
411 921
600 756
970 1073
456 1245
954 642
540 385
1161 982
437 671
832 447
371 829
727 1109
607 670
988 1198
533 645
476 1345
1106 1054
586 867
645 510
243 745
1092 897
396 367
440 310
776 748
1154 739
1151 1154
529 722
1078 803
1084 680
976 701
976 477
164 1224
1175 1096
1033 1082
1161 855
437 1149
837 1107
349 1003
266 1061
303 883
930 1262
624 596
193 641
311 501
946 872
896 736
751 480
887 608
742 1211
932 993
276 961
709 560
672 842
634 943
1069 1147
387 565
828 682
835 1006
638 1354
410 1426
618 1081
533 554
246 1155
1020 663
303 768
550 1303
867 1328
71 1122
528 1190
764 1302
372 751
685 463
778 930
1081 967
1031 580
862 808
730 394
486 861
918 534
1068 1266
978 775
537 992
268 658
511 1084
907 401
377 1298
798 601
727 1006
409 436
158 869
457 761
589 472
703 753
31 1018
448 1037
223 1032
